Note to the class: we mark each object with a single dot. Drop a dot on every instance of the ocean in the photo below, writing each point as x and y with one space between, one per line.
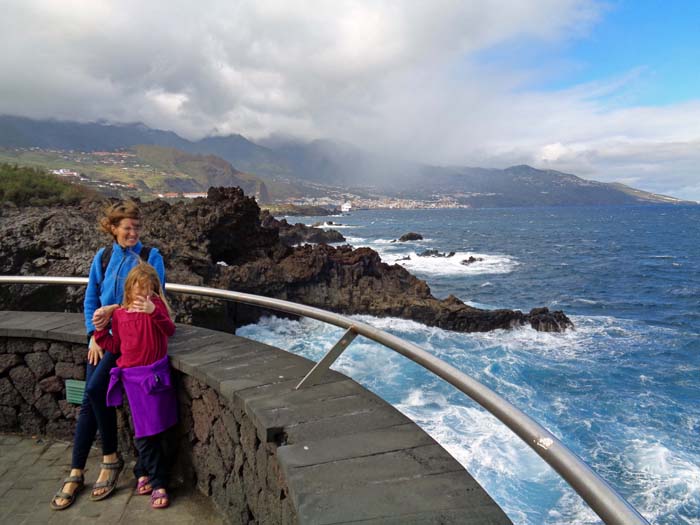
622 389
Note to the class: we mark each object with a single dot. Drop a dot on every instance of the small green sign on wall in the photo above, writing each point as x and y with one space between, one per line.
74 391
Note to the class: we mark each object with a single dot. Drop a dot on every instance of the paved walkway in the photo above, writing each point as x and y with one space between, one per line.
31 470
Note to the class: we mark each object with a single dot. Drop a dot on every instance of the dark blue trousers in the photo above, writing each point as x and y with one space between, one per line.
95 414
152 460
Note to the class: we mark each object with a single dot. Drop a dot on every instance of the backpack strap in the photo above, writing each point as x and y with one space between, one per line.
145 252
106 256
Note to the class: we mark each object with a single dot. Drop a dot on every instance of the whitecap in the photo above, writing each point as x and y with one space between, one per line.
685 291
485 263
483 446
584 301
666 480
482 306
475 438
396 243
313 339
356 241
334 226
580 344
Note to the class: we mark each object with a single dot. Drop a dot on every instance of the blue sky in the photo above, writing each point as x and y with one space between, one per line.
606 89
652 47
660 40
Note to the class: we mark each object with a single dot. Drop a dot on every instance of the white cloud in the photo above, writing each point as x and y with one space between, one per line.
393 76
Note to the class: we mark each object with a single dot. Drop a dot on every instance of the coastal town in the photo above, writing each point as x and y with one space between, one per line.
356 202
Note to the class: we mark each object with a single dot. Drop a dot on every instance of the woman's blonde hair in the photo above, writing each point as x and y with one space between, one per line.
113 214
145 275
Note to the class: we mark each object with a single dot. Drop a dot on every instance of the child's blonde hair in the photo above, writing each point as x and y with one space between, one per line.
145 275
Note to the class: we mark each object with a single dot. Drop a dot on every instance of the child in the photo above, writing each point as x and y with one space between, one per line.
140 330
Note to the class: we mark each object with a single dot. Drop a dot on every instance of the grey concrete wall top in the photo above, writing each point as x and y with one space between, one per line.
347 455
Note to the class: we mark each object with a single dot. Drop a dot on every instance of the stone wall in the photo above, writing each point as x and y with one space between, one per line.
215 446
231 462
32 385
263 450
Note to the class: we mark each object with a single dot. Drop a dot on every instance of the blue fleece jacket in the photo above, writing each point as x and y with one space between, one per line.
109 289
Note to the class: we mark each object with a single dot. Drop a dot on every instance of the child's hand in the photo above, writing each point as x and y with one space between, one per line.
143 304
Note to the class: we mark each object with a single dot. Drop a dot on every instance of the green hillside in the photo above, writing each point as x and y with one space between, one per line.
147 171
25 186
176 171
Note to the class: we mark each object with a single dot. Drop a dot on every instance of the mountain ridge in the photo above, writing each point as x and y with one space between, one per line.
304 168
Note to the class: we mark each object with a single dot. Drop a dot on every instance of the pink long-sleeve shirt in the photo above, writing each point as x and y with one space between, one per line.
140 338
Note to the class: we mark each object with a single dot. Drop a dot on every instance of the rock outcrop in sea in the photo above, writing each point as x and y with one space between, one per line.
299 233
410 236
221 242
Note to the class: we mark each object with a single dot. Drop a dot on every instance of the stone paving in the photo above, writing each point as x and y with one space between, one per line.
31 470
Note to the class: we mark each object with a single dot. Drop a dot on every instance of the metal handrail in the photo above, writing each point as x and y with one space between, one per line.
610 506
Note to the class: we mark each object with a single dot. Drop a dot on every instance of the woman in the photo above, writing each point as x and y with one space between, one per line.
105 291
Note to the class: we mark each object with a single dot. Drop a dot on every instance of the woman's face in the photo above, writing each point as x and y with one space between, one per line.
127 232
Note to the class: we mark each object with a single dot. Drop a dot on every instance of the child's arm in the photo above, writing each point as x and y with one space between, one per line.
110 342
161 318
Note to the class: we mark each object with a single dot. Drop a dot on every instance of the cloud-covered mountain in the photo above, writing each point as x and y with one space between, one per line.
341 165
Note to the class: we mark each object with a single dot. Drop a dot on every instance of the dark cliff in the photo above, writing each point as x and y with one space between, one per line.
221 242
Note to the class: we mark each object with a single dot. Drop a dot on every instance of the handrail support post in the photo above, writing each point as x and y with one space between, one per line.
327 360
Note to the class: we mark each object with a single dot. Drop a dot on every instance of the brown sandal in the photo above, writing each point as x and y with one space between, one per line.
111 483
80 480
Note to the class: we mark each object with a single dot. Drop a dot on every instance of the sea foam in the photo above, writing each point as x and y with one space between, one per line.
456 264
538 372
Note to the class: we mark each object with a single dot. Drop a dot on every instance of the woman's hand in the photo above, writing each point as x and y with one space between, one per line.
102 316
143 304
95 353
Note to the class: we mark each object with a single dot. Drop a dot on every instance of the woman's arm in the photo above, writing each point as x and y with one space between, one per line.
110 342
92 293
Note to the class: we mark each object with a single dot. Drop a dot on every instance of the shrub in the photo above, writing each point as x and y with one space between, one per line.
35 187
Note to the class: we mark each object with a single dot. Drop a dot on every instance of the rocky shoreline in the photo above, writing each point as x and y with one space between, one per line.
298 233
224 241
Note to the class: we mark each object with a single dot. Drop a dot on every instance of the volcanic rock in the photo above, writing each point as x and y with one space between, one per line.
434 253
256 256
298 233
410 236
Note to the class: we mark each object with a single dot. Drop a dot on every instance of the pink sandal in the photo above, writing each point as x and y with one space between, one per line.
141 489
161 495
